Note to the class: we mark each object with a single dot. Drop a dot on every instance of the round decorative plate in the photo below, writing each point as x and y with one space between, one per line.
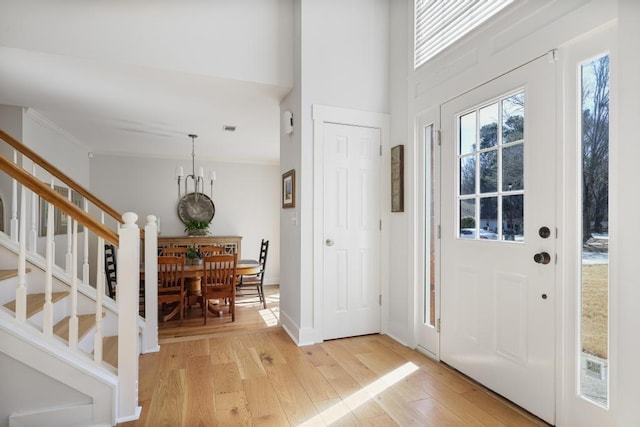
194 207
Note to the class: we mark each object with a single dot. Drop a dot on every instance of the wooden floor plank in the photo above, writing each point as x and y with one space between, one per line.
263 402
200 399
168 404
436 413
247 358
232 409
241 376
226 378
293 399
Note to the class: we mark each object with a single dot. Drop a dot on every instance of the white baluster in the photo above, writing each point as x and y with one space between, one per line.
150 331
128 293
67 259
47 323
73 318
97 339
21 291
85 248
33 231
14 203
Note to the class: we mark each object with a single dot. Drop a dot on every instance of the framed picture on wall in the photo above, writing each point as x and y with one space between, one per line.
397 178
60 219
289 189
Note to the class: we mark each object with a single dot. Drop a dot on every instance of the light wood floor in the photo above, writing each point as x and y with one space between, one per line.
253 374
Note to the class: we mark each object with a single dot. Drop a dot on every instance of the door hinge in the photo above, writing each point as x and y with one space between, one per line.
381 151
380 225
438 325
439 231
380 299
437 135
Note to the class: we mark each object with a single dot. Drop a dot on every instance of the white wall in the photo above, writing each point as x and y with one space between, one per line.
290 155
11 123
626 296
246 197
399 263
57 147
344 62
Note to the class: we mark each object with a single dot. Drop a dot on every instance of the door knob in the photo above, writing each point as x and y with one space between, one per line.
542 258
329 242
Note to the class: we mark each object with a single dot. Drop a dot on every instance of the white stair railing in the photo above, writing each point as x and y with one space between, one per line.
47 326
150 332
25 217
128 296
21 291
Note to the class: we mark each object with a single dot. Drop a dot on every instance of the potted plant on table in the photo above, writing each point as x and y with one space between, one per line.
194 257
197 228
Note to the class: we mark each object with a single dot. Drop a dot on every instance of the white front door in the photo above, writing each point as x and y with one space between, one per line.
351 230
498 290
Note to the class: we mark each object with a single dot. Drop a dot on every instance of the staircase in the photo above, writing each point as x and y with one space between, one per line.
68 352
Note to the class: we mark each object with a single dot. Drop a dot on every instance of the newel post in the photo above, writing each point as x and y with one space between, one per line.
150 332
128 294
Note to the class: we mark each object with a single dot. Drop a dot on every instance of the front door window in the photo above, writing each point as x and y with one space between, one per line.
491 170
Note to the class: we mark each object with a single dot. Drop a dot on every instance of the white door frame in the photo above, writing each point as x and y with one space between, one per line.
428 344
324 114
571 408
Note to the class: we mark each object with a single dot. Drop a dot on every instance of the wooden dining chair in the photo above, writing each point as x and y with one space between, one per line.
211 250
180 251
171 285
110 269
255 281
219 282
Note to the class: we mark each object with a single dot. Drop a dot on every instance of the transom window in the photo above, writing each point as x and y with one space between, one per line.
440 23
491 170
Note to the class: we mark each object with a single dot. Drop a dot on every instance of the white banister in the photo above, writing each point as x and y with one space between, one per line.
97 338
150 332
21 290
14 203
73 316
47 325
85 249
33 230
68 255
128 294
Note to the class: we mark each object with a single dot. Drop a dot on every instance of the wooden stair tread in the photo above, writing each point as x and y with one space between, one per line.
110 350
85 323
35 302
9 273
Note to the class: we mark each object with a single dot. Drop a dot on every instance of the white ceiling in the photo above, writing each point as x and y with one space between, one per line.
135 79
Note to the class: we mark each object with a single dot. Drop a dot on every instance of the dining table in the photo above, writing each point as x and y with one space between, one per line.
193 274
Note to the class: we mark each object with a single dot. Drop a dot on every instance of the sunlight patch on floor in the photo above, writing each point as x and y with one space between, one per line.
339 410
270 316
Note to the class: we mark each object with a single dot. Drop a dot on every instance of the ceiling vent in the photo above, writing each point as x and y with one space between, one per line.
228 128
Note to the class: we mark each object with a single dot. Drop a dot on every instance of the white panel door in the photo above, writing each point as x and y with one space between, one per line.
351 230
498 291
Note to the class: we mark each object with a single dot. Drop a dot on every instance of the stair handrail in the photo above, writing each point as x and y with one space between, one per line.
51 196
58 174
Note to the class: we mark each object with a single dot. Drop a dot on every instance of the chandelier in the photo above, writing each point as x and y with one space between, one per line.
197 180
